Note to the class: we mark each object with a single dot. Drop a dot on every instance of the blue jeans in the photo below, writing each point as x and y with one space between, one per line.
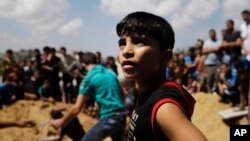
113 126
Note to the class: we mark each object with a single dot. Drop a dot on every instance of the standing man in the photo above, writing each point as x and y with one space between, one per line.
103 86
212 59
245 30
65 58
232 42
9 63
245 87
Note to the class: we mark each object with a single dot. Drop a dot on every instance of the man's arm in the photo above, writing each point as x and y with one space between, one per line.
76 109
236 43
174 124
25 123
210 50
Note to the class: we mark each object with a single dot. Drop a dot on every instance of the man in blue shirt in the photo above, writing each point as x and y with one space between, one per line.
228 84
102 84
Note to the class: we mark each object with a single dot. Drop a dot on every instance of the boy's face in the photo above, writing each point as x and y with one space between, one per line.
140 57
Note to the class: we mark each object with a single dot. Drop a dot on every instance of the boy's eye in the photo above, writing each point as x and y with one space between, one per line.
140 41
122 42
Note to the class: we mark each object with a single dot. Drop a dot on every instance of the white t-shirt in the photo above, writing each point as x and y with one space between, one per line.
245 34
211 58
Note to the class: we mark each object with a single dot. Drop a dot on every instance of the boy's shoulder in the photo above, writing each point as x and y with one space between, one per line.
181 96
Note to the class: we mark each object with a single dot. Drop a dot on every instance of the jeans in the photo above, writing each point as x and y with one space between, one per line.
113 126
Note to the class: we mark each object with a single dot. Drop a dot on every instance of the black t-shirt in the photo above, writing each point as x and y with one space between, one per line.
232 38
143 125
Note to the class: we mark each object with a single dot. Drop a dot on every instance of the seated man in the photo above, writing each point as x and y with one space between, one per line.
227 87
46 92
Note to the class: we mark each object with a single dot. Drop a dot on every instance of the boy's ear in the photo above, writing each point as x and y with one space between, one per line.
168 53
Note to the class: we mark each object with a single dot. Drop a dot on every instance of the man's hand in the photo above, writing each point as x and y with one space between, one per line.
57 123
26 123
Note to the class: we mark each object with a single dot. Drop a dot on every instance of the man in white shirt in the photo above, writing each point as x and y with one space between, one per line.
211 50
245 31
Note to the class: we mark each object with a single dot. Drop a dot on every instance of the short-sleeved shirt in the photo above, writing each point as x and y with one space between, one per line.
143 126
191 71
212 58
245 34
232 80
103 85
232 38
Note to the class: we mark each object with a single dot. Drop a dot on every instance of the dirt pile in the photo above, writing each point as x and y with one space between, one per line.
205 117
37 111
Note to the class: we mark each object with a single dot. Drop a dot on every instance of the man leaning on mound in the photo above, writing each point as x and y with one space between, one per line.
163 109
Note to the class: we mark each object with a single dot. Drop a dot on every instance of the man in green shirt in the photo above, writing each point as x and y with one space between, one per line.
102 84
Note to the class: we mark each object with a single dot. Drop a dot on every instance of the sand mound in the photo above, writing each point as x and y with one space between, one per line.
37 111
205 117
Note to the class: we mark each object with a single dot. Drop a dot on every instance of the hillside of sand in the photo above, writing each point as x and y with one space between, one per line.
205 117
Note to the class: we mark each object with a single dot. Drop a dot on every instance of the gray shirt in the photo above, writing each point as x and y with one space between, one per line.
211 58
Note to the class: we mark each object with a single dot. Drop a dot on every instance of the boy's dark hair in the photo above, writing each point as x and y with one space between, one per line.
89 58
245 12
9 51
149 25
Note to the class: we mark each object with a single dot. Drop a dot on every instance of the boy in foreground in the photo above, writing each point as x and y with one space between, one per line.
163 109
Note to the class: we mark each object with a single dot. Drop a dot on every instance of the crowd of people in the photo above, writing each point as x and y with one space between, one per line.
218 65
51 76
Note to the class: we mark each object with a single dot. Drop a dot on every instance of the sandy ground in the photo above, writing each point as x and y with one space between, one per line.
205 117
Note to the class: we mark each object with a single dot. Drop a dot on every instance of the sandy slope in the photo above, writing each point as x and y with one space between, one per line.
205 117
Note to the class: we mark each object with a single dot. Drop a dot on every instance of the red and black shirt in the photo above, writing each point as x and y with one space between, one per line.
143 125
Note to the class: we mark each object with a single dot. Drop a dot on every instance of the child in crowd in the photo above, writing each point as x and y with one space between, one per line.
163 109
46 91
227 86
192 85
